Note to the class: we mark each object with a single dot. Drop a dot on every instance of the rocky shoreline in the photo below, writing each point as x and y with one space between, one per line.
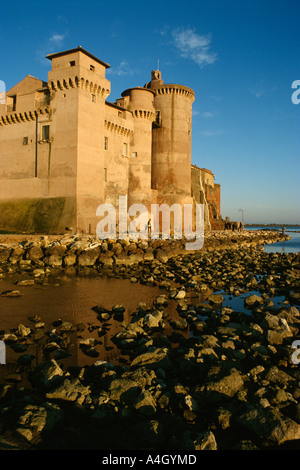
77 252
208 378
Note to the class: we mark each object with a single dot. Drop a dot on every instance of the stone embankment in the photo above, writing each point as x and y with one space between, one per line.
208 378
78 252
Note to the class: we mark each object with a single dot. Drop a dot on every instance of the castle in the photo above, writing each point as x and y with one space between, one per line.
65 149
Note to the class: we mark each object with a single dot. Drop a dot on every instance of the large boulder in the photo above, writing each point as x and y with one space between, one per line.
33 420
158 358
270 425
225 385
253 301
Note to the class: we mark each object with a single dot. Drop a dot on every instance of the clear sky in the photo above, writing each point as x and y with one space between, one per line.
239 56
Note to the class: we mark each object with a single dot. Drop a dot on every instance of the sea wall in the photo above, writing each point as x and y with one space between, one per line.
37 215
29 253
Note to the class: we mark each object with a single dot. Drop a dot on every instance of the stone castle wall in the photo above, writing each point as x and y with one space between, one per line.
64 149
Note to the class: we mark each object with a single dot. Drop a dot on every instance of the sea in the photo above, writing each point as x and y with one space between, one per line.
288 246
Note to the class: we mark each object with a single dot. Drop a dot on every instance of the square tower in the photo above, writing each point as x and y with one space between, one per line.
78 92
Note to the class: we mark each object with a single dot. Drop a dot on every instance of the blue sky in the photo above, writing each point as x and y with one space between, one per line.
239 56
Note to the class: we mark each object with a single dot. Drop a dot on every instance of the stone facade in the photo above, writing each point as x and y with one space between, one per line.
65 149
206 191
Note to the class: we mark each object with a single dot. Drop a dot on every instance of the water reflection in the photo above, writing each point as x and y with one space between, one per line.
72 300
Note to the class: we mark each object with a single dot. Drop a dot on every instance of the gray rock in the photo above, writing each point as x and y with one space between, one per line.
123 389
277 336
180 294
205 441
253 301
23 330
70 259
155 359
161 256
151 321
55 261
270 425
47 375
26 282
34 420
216 299
5 254
88 257
145 404
69 390
66 326
35 253
227 385
279 377
11 293
9 338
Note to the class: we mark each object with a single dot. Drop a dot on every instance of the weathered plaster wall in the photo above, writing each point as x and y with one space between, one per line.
96 151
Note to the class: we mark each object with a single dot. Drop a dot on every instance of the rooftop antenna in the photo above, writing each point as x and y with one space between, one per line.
158 64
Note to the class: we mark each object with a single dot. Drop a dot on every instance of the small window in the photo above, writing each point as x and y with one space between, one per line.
93 98
45 132
105 174
134 154
92 68
12 103
120 114
105 143
158 117
25 140
72 63
125 149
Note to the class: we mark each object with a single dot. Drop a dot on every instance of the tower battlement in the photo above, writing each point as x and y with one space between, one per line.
70 150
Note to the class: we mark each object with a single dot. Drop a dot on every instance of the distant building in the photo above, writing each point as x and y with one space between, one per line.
65 149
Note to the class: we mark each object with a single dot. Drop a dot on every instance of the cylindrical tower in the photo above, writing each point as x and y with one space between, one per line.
140 102
171 143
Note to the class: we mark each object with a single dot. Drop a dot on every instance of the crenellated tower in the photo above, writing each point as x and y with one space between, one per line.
65 149
78 92
171 141
140 102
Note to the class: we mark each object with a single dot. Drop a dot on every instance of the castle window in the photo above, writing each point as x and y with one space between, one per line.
11 103
92 68
25 140
105 143
14 98
105 174
158 117
93 98
134 154
72 63
45 132
125 149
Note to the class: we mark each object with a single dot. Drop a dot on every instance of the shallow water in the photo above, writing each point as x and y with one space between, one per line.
288 246
72 300
237 303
